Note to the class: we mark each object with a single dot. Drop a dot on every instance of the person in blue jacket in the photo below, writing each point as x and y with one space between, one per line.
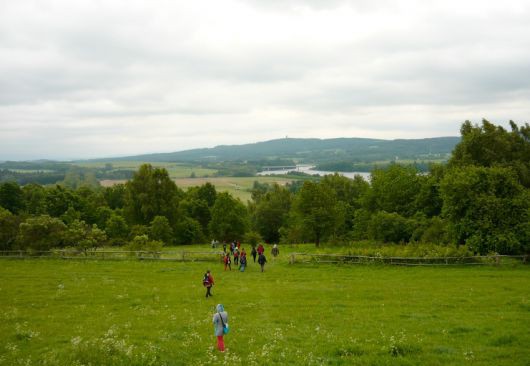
220 320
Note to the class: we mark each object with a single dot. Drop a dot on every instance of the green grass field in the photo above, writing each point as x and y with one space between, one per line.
175 170
78 312
238 187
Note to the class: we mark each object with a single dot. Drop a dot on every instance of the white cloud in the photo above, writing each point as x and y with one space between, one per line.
91 78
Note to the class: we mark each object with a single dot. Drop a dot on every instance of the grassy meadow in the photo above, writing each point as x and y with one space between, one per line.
175 170
238 187
78 312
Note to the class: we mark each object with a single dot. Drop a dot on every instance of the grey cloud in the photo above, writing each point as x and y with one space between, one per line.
105 72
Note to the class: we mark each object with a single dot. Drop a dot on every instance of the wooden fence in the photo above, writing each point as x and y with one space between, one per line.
181 256
407 261
217 256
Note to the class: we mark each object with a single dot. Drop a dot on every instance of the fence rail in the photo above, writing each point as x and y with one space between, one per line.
406 261
211 256
181 256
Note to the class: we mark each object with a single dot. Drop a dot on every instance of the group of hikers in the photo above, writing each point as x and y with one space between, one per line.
240 255
220 317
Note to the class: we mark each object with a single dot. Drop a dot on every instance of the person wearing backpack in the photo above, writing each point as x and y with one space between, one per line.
227 261
262 260
243 261
220 324
207 281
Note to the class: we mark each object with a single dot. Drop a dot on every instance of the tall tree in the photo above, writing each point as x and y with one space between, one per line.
8 229
152 193
116 228
60 199
394 189
160 230
35 199
115 196
317 209
271 213
11 197
488 208
489 145
229 218
349 193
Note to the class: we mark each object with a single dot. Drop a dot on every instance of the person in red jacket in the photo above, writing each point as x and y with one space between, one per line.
207 282
227 261
260 250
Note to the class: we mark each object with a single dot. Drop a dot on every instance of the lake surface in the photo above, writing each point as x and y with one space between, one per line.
308 169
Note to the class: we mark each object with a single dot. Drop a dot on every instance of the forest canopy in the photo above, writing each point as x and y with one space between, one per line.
480 198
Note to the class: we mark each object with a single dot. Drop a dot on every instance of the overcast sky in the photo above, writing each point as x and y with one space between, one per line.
83 79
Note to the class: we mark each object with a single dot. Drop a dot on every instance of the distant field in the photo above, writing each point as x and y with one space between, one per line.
31 170
154 313
175 170
237 186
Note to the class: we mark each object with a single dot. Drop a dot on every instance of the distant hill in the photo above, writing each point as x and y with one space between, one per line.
311 150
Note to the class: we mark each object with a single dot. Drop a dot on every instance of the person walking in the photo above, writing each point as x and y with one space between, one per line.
236 256
243 261
220 323
253 252
262 260
261 250
227 261
208 282
275 251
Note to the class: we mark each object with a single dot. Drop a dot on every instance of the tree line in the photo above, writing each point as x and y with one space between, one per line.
480 198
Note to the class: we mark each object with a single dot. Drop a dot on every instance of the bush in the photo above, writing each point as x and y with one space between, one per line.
143 244
390 227
253 238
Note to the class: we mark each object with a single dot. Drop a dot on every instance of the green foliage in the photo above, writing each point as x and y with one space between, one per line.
317 210
160 230
70 216
271 212
207 193
115 196
83 236
394 189
481 199
350 193
229 218
11 197
487 208
8 229
116 228
197 209
188 231
151 193
35 199
41 233
77 177
59 200
489 145
390 227
253 238
143 243
431 230
103 213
